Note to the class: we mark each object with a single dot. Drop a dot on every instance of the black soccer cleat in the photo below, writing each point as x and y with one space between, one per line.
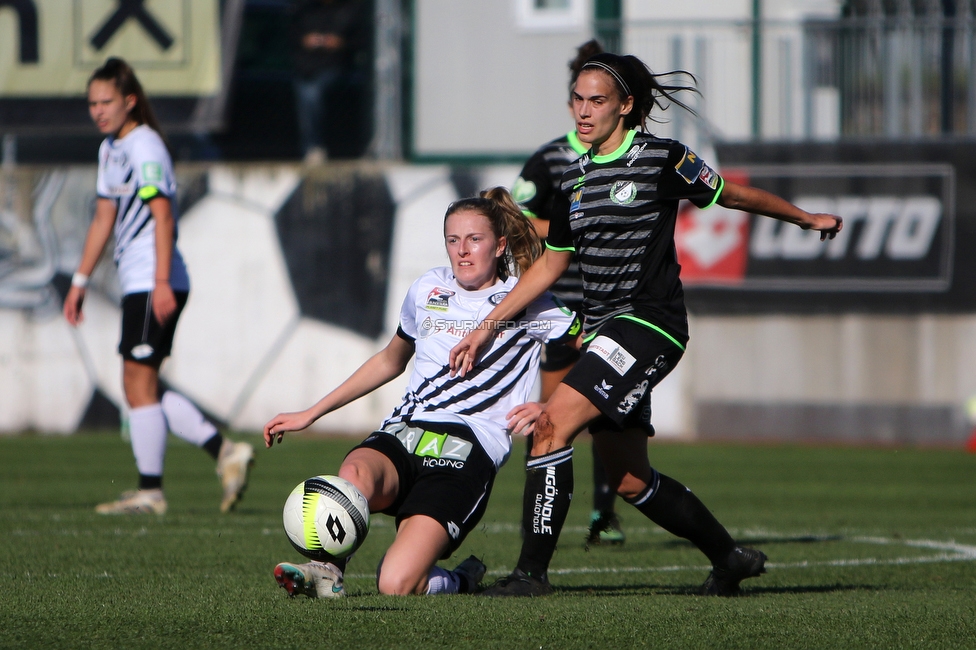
742 563
519 584
471 571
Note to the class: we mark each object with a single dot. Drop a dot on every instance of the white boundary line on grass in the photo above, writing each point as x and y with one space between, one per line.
951 552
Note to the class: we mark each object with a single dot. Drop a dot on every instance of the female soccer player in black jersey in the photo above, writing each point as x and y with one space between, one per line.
535 189
137 203
617 210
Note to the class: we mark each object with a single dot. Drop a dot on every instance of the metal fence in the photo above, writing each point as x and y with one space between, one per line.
887 77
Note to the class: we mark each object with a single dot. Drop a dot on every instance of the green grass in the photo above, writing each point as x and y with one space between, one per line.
868 548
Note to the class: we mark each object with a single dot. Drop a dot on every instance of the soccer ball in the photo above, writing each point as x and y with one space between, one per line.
326 518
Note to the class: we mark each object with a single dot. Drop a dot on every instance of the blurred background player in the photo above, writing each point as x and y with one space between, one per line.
136 201
616 209
535 190
434 460
326 36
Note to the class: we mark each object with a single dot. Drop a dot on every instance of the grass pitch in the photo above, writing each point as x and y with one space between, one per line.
867 548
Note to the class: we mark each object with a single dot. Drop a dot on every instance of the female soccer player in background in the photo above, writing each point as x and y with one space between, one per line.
437 487
137 203
617 209
535 190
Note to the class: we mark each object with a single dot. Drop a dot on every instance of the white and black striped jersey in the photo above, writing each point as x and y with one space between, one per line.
535 190
436 314
132 171
618 213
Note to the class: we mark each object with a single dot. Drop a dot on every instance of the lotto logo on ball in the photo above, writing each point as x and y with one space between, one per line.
326 518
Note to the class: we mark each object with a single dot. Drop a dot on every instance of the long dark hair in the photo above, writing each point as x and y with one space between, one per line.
632 78
506 219
124 78
584 53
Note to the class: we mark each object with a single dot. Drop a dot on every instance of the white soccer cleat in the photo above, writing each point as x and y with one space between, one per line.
233 463
136 502
314 579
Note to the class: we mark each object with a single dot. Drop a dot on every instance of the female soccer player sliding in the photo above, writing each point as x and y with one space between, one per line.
616 210
137 198
433 462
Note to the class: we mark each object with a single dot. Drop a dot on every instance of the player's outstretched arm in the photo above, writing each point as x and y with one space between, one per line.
757 201
533 283
382 367
98 235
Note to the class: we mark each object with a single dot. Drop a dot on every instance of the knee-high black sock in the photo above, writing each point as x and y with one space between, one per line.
603 495
545 504
673 507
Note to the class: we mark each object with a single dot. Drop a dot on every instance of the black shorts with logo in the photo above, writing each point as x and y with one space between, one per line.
143 339
444 474
618 369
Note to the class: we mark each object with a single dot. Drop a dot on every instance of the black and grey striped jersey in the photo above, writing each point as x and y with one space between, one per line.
535 190
436 314
131 172
618 213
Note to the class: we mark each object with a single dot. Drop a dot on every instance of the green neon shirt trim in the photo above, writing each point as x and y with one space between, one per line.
148 192
621 150
575 143
718 193
529 214
653 327
569 249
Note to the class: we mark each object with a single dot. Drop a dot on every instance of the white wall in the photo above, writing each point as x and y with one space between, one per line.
483 85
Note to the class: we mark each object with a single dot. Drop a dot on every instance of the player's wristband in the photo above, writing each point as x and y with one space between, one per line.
79 280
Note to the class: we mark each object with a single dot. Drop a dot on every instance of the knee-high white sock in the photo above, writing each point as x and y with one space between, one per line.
442 581
185 420
148 428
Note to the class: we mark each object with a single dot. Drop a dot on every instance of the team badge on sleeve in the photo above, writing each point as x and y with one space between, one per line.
690 166
152 172
708 177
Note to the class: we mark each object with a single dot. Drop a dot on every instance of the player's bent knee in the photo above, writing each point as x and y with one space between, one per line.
542 436
630 486
360 473
392 581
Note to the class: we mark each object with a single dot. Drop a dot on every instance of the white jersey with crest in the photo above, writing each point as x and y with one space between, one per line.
132 171
436 314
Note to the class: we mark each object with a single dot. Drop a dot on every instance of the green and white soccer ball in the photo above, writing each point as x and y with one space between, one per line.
326 518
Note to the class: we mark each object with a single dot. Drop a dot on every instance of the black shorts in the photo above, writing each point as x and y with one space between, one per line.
618 369
558 356
444 474
144 340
